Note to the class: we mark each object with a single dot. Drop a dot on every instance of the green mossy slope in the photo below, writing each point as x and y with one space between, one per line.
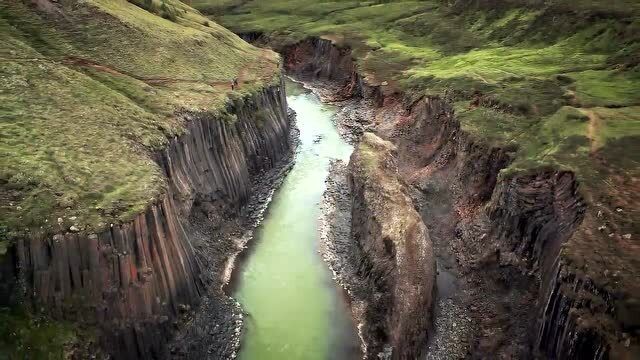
559 81
523 62
90 89
24 336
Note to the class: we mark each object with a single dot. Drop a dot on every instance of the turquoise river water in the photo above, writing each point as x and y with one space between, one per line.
294 309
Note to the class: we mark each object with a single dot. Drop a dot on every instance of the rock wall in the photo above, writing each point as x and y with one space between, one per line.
133 279
525 217
319 59
395 254
534 214
563 333
433 129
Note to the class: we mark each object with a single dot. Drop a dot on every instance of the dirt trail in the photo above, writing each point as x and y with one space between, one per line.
592 128
86 63
243 76
76 61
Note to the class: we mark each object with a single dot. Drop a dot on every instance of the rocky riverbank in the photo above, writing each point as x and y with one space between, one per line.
336 245
214 329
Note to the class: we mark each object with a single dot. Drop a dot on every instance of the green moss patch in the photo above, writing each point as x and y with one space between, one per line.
24 336
606 88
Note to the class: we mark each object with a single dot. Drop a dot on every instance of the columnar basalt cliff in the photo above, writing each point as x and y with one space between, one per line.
132 280
523 219
518 221
319 59
533 215
394 254
565 331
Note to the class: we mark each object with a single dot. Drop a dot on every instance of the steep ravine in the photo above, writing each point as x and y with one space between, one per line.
501 235
133 280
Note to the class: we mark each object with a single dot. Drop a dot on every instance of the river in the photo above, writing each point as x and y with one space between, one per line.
294 309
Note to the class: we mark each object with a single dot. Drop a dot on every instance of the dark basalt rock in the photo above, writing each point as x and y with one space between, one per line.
132 280
525 218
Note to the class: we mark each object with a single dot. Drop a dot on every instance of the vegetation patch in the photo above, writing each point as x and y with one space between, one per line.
557 80
25 336
90 89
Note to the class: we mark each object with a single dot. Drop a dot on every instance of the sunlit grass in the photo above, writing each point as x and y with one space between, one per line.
534 66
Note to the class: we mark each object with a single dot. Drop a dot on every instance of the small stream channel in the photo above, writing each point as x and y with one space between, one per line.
294 309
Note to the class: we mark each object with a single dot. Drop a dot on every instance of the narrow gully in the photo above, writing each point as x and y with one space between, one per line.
293 308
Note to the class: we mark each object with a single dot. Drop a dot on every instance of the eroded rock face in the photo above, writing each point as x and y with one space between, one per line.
133 279
395 255
532 215
532 222
319 59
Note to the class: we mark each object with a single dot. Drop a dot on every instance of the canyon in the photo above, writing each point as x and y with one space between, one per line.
504 236
441 245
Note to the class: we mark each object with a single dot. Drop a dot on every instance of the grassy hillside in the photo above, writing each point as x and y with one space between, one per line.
89 89
559 80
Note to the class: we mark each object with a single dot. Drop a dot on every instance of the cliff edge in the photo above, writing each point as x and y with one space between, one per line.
121 120
395 255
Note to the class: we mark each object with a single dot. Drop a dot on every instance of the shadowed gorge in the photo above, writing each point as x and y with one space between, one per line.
441 179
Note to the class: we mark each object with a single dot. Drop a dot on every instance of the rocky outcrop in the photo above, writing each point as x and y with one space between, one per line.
565 332
394 255
433 129
589 301
133 279
317 58
321 59
532 215
522 220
